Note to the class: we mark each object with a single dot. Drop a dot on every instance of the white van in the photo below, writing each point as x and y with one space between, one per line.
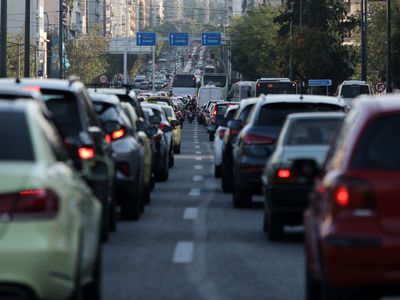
349 89
208 92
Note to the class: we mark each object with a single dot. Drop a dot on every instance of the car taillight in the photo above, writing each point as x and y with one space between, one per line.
284 173
86 153
234 131
157 138
202 112
31 204
353 194
288 176
124 168
108 138
118 134
221 133
252 139
215 111
32 88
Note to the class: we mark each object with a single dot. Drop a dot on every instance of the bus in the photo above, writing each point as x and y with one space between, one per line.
241 90
219 80
209 69
162 63
273 86
184 84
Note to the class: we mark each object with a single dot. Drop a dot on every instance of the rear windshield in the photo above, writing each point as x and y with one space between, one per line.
274 114
230 114
313 132
106 112
158 100
379 147
351 91
65 111
168 112
245 113
16 143
126 98
245 92
221 109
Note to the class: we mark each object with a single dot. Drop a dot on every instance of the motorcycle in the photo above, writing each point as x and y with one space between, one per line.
190 117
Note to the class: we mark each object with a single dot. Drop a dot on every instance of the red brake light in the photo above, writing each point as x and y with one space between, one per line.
162 125
221 133
258 84
252 139
118 134
284 173
229 105
108 138
234 131
342 196
354 193
86 153
157 138
32 88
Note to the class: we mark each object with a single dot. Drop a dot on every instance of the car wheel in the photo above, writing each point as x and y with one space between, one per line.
241 197
226 182
178 149
92 291
130 207
217 171
164 176
313 287
211 136
275 227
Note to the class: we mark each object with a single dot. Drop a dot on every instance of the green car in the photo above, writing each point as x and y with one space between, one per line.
49 217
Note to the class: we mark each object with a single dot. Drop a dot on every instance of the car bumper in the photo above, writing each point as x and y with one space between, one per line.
248 173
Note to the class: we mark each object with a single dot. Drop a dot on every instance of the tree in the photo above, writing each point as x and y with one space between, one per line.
87 55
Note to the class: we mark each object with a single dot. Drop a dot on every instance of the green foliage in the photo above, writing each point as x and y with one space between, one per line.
87 56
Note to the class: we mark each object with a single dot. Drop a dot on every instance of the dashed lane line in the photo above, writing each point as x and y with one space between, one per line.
195 192
183 253
190 213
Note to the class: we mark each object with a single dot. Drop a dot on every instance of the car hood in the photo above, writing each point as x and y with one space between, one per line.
315 152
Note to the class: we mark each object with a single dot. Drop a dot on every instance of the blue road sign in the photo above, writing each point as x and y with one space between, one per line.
40 73
320 82
146 39
211 39
179 38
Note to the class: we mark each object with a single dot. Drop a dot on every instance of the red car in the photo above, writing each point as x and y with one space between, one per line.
352 224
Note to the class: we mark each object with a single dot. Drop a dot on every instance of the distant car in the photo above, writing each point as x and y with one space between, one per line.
218 112
144 85
256 140
304 137
175 123
350 89
51 220
352 224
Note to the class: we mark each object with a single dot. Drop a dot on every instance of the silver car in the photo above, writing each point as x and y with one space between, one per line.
289 174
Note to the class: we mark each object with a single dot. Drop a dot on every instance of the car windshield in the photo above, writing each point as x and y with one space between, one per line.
16 142
313 132
219 81
274 114
351 91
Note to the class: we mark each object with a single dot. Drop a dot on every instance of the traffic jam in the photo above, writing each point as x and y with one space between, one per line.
289 195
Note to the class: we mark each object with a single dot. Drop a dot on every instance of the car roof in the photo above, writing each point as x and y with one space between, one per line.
236 106
226 103
151 105
149 110
105 98
18 105
112 91
316 115
297 98
382 104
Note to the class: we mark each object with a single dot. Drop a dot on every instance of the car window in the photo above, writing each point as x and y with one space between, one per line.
221 109
245 113
351 91
274 114
16 142
230 114
379 145
168 112
312 132
106 112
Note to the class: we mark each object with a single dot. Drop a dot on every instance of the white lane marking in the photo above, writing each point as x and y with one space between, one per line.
183 252
198 167
198 158
196 142
190 213
197 178
198 152
197 146
195 192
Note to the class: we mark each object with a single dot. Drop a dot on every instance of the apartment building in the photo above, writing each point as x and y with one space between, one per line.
233 8
173 10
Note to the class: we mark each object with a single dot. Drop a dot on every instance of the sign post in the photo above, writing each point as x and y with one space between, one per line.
103 78
320 82
179 39
380 86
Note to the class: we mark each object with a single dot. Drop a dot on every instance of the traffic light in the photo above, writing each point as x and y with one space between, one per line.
167 75
208 49
190 55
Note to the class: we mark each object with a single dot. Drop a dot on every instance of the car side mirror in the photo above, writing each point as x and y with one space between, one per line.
112 126
222 122
155 120
175 122
235 124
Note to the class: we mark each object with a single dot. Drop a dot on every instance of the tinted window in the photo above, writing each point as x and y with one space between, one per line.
315 132
379 147
184 81
221 109
219 81
65 111
351 91
15 138
230 114
106 112
168 112
275 88
245 113
275 114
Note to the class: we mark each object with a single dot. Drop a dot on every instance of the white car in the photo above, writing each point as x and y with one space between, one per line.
219 137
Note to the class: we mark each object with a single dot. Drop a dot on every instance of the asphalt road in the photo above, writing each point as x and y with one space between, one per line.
192 244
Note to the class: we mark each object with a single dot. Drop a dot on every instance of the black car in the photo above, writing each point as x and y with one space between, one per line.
231 134
76 119
218 112
256 140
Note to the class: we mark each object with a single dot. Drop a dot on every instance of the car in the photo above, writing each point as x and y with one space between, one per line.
51 220
256 140
129 151
304 137
160 166
207 111
222 124
228 143
217 111
158 99
351 226
75 118
350 89
158 85
139 79
175 123
144 85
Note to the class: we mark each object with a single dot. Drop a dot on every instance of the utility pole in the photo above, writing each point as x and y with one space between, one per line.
3 39
27 37
19 61
291 59
301 13
60 40
389 50
363 21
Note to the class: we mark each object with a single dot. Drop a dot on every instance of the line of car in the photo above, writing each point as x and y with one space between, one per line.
69 157
333 170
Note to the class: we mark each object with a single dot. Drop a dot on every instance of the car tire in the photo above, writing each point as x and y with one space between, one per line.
131 207
217 171
227 181
190 121
265 222
313 287
105 224
164 176
211 136
92 291
241 197
275 227
177 150
147 198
